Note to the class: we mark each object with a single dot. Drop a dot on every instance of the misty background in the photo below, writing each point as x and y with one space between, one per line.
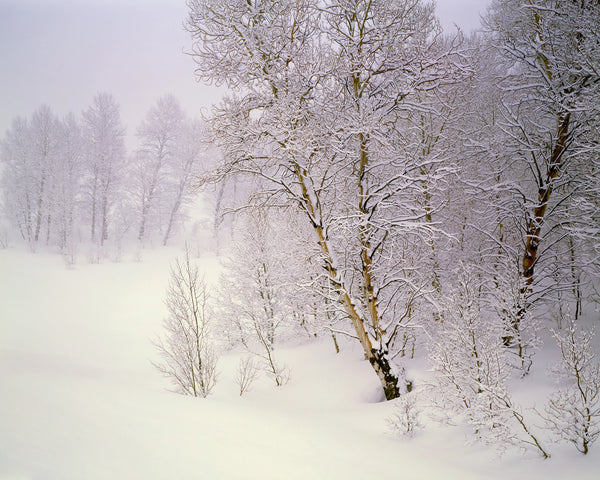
62 52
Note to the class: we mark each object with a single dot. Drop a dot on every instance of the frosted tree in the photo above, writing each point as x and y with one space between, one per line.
158 135
44 143
30 152
548 114
63 176
321 91
17 179
68 175
573 411
105 154
256 289
41 178
188 358
405 417
473 369
182 172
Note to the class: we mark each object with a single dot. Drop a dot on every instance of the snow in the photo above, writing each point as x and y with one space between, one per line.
80 399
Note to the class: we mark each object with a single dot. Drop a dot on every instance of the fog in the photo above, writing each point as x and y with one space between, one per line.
63 52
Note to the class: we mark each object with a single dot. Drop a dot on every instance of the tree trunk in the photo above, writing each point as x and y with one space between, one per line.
142 230
149 199
40 201
376 357
94 205
174 211
104 233
534 225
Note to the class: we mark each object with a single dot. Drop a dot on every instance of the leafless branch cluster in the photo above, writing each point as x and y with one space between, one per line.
573 411
189 360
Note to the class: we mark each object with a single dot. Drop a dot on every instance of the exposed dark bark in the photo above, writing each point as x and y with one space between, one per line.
380 363
534 225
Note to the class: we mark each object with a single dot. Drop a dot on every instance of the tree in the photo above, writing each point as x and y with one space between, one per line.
105 152
473 368
323 89
60 175
18 179
190 152
30 152
42 177
549 111
256 289
68 177
188 359
158 134
573 411
44 143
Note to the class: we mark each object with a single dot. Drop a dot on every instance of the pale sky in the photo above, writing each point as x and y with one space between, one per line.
63 52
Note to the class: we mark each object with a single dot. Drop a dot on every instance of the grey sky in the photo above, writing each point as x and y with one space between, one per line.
63 52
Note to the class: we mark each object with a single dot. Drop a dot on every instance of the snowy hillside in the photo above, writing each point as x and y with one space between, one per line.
80 398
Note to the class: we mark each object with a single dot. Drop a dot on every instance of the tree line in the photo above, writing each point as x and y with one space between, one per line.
70 181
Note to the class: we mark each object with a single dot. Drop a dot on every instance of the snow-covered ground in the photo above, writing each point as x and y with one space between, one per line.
80 399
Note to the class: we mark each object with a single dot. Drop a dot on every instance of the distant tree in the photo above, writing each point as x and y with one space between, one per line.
30 152
44 141
68 175
103 164
158 135
18 179
182 172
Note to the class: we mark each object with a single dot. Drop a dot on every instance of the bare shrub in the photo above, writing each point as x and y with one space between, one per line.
405 418
188 359
246 375
4 239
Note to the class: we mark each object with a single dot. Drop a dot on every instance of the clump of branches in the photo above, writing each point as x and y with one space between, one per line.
246 374
405 419
473 369
189 361
257 293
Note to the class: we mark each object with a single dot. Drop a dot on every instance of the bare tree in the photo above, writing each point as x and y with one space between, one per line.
105 153
188 358
247 373
158 134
